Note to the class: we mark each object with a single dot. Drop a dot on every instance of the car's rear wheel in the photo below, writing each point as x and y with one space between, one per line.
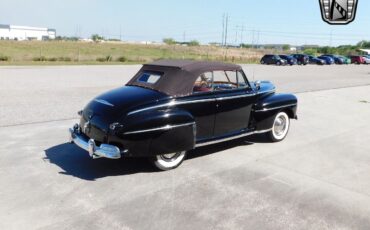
262 62
280 127
169 161
278 63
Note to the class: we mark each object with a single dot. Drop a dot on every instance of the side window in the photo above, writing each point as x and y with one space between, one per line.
241 80
219 80
220 76
233 77
236 79
203 83
224 80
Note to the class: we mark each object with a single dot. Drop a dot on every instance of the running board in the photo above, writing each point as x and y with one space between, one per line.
240 135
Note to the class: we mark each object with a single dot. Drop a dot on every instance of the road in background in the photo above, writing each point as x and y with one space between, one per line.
318 178
37 94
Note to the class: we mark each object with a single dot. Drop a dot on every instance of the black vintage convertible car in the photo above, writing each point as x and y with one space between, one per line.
170 107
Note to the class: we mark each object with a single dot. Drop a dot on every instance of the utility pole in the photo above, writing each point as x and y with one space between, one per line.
223 30
253 38
241 35
236 34
184 37
331 38
227 25
120 32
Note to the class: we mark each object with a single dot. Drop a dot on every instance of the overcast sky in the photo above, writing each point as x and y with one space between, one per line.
264 21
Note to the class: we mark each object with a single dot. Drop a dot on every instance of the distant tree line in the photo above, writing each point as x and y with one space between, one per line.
340 50
171 41
310 50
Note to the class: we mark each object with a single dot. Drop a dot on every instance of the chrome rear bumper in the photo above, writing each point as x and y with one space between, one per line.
104 150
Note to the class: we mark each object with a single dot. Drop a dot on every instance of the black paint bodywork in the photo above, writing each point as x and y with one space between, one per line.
144 122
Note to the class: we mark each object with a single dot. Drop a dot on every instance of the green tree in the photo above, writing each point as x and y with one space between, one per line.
247 46
310 51
286 47
169 41
97 37
194 43
364 44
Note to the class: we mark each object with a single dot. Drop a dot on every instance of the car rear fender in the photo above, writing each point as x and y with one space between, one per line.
158 132
265 110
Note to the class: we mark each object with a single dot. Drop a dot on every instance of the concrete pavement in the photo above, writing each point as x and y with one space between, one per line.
318 178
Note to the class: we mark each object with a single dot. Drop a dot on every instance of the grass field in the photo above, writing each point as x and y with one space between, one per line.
69 52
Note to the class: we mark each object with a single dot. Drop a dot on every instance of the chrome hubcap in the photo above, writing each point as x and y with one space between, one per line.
170 156
280 125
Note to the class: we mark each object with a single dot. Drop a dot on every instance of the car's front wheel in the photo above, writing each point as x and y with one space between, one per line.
280 127
169 161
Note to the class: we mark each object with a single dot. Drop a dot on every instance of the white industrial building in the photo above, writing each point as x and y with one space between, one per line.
21 33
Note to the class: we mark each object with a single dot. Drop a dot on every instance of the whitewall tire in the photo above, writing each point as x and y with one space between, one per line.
169 161
280 127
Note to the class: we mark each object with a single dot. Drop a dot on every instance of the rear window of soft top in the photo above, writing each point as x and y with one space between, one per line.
149 77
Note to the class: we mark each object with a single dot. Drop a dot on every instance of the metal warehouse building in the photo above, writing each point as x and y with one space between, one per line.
21 33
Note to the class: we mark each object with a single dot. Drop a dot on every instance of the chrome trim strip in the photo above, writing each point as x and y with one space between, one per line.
166 127
234 97
273 108
101 101
174 102
171 103
232 138
267 91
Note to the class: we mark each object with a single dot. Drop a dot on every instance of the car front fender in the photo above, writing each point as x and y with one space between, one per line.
266 108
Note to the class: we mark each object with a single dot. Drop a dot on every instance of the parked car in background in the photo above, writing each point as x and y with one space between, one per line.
357 59
289 59
347 60
328 60
315 60
337 59
271 59
171 107
302 59
366 59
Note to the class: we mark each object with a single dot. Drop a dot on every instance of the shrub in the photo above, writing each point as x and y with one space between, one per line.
52 59
100 59
4 58
42 58
109 58
66 59
104 59
122 59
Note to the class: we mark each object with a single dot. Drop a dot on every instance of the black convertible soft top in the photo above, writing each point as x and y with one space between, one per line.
178 76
